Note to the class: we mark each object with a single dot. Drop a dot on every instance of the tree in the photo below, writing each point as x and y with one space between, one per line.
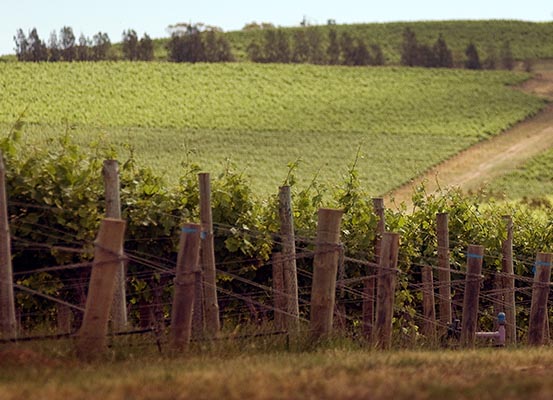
506 56
377 56
316 52
37 50
425 56
100 46
301 48
443 57
67 44
270 51
254 26
276 46
361 55
473 60
282 47
83 53
348 49
255 52
21 46
130 45
186 44
333 50
146 48
251 26
409 49
53 47
216 47
176 48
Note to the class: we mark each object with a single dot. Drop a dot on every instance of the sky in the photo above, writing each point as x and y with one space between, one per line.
153 17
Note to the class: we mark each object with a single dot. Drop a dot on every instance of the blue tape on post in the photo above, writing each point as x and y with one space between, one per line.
542 264
189 230
472 255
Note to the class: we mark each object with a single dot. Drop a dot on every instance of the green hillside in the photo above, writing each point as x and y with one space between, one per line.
264 116
529 40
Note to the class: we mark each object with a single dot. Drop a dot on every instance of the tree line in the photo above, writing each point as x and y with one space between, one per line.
66 46
198 43
307 44
415 54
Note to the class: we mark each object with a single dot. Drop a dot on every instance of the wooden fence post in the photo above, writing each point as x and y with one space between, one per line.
289 258
110 172
279 298
183 297
540 295
198 314
64 317
369 284
508 285
444 271
108 252
386 286
428 306
325 267
475 257
8 327
211 305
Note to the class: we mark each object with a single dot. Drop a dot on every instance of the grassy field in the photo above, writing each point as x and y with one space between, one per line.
340 373
264 116
533 179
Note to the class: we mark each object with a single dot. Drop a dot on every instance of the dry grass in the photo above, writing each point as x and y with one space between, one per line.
248 373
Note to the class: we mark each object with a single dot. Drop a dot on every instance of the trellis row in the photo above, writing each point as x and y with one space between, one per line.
195 283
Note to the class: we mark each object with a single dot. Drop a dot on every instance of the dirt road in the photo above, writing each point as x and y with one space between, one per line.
499 155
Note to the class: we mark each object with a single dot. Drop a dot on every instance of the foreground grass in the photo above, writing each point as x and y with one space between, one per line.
324 374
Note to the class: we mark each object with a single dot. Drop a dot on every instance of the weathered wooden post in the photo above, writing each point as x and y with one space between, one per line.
279 298
428 306
110 172
540 294
183 297
325 267
108 253
475 257
444 270
64 317
369 284
211 305
289 258
198 314
509 283
386 286
8 327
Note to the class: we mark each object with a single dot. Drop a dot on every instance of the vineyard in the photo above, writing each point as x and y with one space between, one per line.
56 203
263 117
54 154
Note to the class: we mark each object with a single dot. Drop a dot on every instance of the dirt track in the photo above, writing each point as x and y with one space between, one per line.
487 160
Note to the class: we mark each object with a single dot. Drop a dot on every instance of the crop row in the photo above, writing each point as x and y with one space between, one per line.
263 116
